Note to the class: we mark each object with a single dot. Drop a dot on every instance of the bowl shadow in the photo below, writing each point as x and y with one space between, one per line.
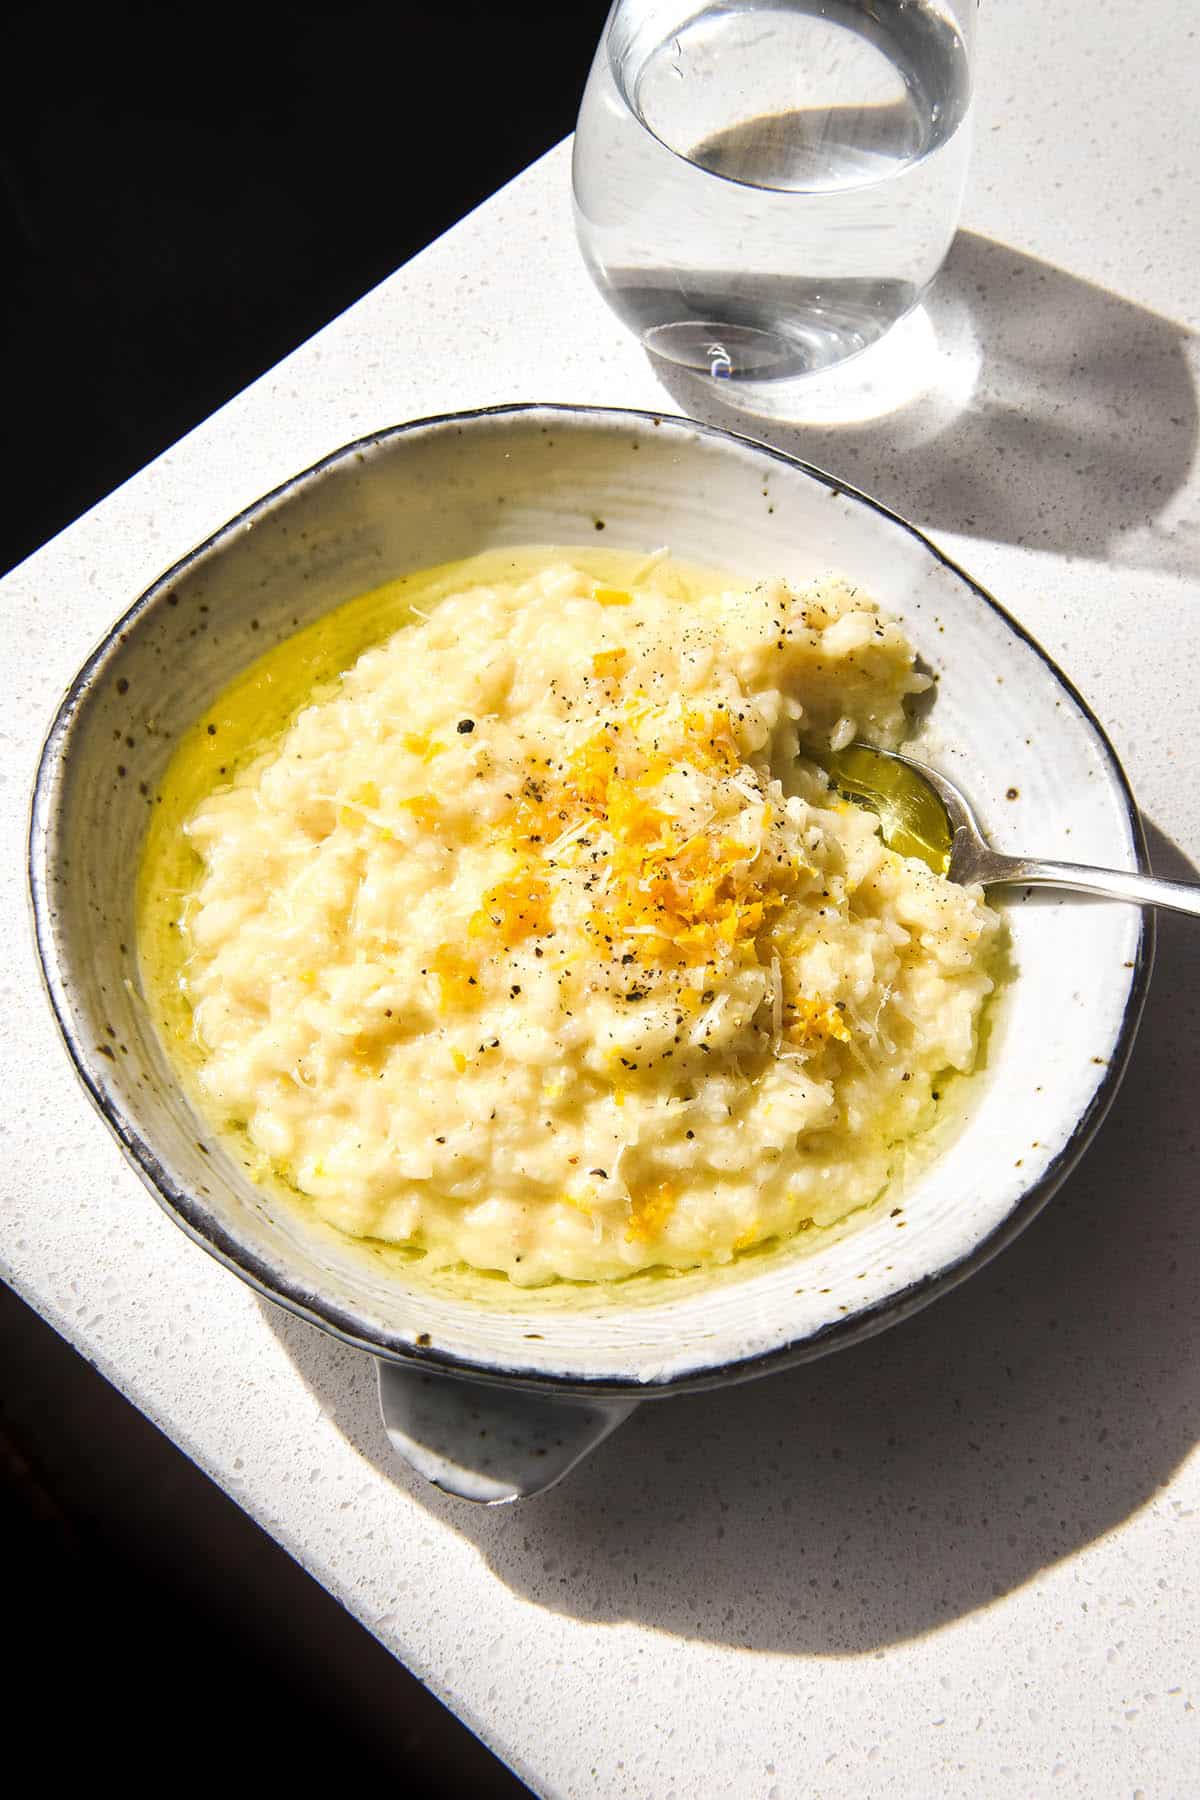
1055 415
882 1493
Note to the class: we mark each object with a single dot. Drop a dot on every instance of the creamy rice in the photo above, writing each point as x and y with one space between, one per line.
531 944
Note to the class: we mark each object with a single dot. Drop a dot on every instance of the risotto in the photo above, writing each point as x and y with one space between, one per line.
534 942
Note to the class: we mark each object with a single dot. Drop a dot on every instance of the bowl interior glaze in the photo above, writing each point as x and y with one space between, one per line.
1005 723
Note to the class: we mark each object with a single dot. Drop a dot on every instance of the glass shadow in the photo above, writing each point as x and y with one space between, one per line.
1030 407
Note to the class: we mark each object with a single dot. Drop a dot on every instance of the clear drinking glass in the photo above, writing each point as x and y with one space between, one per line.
764 187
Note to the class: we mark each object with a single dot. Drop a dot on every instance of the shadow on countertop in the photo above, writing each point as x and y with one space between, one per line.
915 1478
1045 412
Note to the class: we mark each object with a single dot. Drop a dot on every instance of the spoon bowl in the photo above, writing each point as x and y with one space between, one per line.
923 814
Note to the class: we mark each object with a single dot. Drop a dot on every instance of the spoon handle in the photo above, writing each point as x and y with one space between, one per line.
1114 884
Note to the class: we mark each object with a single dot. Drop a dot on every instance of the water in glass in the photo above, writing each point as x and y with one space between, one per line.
762 189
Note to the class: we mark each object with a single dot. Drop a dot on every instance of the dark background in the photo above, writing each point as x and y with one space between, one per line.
187 194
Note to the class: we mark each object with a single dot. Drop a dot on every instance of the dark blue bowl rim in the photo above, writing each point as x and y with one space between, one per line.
194 1218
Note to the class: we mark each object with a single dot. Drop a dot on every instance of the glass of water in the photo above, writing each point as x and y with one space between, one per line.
764 187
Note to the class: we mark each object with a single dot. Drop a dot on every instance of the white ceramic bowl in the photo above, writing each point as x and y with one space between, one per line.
1005 722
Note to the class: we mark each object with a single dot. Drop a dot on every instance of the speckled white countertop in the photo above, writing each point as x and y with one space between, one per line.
960 1560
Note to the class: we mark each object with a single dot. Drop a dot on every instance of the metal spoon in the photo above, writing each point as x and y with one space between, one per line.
922 814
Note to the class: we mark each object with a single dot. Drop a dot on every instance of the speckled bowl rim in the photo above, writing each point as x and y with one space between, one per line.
194 1219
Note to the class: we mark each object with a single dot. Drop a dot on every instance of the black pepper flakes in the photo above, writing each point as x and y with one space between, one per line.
465 725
